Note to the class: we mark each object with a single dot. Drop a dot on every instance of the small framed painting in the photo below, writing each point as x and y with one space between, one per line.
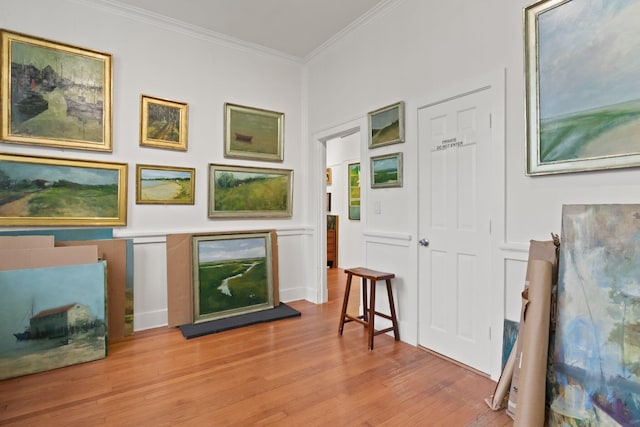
165 185
163 123
386 171
253 133
54 94
236 192
233 274
354 191
386 125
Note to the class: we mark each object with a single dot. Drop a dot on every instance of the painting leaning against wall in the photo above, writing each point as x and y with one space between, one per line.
595 373
233 274
43 327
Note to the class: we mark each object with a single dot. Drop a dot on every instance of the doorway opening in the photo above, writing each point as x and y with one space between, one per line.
343 226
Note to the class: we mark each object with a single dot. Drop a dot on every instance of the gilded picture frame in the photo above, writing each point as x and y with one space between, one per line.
233 274
54 94
165 185
253 133
386 125
48 191
582 96
245 192
386 171
163 123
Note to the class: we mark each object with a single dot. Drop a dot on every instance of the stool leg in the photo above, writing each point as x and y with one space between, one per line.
345 301
394 319
365 314
372 312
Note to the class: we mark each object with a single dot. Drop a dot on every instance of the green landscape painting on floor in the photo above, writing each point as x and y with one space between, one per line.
232 275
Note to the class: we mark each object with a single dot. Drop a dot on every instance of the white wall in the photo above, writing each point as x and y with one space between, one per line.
410 51
340 153
182 64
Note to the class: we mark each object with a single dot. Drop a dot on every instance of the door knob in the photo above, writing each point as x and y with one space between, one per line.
423 242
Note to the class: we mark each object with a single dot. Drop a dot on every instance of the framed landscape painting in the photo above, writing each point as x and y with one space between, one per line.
165 185
253 133
354 191
236 191
163 123
54 94
47 191
233 274
582 91
386 125
386 171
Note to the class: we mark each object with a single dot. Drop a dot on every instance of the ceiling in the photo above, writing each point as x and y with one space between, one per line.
292 27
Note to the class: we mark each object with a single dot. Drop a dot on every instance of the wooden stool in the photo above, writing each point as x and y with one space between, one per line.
369 309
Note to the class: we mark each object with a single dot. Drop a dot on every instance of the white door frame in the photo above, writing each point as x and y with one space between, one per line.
319 153
495 82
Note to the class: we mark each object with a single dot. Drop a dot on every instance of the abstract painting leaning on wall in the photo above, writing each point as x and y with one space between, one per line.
595 375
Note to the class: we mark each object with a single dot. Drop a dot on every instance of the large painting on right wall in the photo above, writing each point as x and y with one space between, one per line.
595 373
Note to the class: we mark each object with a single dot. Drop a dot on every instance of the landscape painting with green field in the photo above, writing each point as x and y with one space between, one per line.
238 191
584 85
386 125
386 171
232 275
43 191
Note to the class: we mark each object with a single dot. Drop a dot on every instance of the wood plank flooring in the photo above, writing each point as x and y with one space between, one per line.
292 372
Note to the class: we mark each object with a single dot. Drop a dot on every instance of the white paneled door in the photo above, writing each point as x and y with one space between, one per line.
454 138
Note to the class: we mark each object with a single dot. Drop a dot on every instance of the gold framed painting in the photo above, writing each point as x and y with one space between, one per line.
54 94
245 192
163 123
253 133
386 125
165 185
48 191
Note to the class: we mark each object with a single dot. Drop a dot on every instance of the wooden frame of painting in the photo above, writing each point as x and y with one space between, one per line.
54 94
253 133
354 191
581 108
237 191
163 123
233 274
386 125
386 171
48 191
165 185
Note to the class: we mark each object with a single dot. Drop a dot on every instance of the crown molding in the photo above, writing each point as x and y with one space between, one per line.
141 15
379 9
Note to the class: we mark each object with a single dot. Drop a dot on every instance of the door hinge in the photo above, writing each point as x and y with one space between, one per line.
489 333
490 121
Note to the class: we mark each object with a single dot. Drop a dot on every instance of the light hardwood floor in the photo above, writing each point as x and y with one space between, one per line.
292 372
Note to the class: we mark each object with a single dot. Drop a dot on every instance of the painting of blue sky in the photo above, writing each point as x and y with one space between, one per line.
588 86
